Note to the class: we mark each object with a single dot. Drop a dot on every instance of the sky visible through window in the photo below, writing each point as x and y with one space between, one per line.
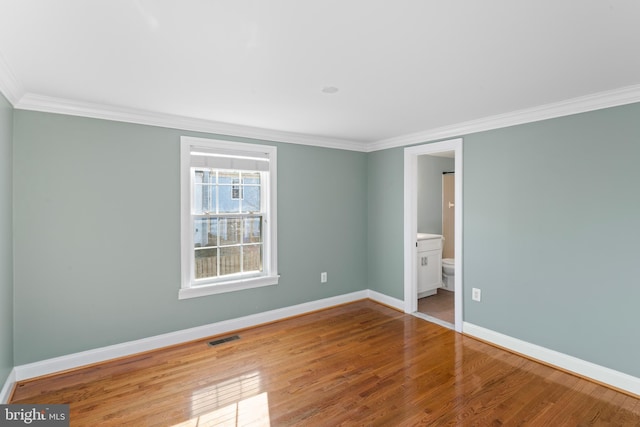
228 223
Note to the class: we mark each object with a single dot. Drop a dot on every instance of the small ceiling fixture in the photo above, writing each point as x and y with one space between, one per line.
330 89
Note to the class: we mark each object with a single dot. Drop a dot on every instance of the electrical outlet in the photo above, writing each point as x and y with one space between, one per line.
323 277
476 294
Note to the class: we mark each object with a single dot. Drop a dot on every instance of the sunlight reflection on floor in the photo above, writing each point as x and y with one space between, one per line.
235 402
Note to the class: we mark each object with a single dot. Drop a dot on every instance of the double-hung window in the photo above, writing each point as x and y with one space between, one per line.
228 220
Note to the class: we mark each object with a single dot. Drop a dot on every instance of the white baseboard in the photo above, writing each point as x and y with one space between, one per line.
8 387
598 373
71 361
386 300
581 367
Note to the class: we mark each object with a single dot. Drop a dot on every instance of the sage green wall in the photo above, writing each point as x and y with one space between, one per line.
430 170
6 240
385 222
552 234
97 244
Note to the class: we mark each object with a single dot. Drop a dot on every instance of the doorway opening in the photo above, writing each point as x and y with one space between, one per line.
423 259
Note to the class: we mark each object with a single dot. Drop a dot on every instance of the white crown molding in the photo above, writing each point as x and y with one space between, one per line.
34 102
613 378
14 92
582 104
10 86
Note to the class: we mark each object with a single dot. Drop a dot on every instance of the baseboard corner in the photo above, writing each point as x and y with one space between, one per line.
600 374
7 389
386 300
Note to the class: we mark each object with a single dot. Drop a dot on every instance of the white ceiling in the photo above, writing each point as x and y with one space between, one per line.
402 67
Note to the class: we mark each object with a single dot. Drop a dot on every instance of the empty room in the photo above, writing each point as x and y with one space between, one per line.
280 213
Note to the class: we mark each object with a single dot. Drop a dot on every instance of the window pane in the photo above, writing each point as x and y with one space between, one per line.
229 260
252 231
205 232
251 178
226 202
251 191
230 231
228 177
204 191
252 258
251 200
205 263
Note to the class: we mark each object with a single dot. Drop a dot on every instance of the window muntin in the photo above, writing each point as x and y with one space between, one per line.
227 229
228 216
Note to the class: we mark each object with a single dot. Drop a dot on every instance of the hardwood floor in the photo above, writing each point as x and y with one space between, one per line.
440 305
357 364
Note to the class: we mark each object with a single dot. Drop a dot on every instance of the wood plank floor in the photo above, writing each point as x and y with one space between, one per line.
357 364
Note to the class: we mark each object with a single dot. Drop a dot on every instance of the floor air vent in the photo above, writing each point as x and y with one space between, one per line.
223 340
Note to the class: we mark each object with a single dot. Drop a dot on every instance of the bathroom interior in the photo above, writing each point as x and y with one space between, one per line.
435 240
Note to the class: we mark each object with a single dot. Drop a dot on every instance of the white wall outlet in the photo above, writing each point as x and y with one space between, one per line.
323 277
476 294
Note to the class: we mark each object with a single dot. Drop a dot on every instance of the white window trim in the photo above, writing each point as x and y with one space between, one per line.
188 289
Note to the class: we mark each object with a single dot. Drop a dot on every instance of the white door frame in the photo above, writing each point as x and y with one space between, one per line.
411 223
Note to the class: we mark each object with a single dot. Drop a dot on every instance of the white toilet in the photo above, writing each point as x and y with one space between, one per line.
448 274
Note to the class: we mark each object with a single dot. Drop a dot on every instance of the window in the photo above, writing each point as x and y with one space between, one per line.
228 221
236 190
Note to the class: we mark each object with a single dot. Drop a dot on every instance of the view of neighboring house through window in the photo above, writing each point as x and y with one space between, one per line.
236 190
227 226
228 220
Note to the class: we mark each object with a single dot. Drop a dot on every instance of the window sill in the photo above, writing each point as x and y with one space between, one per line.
231 286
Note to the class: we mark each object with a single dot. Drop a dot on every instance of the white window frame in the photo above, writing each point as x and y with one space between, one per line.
269 276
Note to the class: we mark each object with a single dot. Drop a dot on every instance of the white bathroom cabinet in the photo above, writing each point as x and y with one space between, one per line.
429 264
